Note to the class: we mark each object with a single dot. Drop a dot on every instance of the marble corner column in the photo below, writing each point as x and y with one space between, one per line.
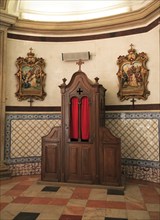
6 21
3 48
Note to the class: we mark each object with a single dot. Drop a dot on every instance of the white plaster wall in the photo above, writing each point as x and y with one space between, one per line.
102 64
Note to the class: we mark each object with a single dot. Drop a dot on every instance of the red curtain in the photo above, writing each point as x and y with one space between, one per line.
74 119
85 118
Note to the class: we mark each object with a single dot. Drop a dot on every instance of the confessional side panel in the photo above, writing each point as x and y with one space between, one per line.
50 162
110 164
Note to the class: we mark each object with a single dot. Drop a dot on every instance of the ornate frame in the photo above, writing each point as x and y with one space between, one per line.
31 77
133 75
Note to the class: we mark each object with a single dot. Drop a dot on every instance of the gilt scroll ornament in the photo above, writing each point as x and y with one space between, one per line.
133 75
31 77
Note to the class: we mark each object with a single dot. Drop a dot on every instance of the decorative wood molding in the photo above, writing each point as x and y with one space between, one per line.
147 107
33 109
117 22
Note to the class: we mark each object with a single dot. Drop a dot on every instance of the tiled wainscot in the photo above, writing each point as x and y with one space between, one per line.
139 133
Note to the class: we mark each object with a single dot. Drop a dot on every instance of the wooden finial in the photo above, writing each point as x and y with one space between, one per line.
80 62
96 79
64 81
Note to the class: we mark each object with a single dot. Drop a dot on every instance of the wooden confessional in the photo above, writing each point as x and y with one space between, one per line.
82 150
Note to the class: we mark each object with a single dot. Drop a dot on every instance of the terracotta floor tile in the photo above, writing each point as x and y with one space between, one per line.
96 204
27 182
116 205
22 199
57 201
2 205
14 192
23 194
70 217
81 193
41 201
151 199
135 206
158 190
20 187
148 190
154 215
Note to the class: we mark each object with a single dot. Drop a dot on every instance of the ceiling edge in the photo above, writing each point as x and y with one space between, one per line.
122 21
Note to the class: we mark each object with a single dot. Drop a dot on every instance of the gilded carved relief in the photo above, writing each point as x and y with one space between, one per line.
31 77
133 75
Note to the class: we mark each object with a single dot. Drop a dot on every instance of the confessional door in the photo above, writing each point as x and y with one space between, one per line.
80 162
79 147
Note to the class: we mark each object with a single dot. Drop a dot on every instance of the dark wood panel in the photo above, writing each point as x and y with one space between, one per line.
51 155
86 162
33 108
132 108
50 169
74 155
79 159
110 158
110 165
50 162
72 158
58 108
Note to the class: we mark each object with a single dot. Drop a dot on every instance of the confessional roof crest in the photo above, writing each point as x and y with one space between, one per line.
79 79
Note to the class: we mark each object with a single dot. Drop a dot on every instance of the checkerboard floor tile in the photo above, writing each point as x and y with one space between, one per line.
26 216
50 188
26 198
